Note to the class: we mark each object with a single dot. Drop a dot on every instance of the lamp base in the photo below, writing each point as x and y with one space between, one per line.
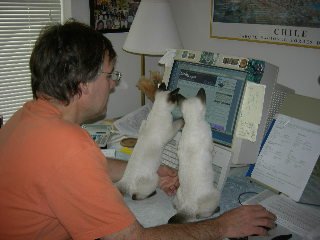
143 99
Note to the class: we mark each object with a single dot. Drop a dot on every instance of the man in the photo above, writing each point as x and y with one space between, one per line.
54 181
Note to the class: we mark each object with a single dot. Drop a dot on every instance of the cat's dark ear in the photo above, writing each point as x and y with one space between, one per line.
162 87
173 95
202 95
175 92
180 99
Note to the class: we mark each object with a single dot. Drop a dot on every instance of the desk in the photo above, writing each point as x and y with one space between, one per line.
158 209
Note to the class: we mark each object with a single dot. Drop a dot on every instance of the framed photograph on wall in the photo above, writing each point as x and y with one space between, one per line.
109 16
293 23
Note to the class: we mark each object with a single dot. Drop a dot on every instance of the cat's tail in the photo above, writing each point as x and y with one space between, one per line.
179 218
145 187
137 196
124 189
182 217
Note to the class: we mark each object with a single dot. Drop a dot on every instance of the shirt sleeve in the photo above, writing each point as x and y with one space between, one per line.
83 197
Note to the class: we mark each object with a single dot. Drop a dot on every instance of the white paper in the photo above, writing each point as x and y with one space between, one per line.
152 211
288 156
129 125
167 60
251 111
168 57
221 166
109 153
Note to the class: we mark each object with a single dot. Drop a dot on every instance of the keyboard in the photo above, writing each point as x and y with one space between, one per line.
296 217
169 154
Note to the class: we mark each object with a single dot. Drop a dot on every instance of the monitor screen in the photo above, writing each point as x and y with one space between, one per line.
224 88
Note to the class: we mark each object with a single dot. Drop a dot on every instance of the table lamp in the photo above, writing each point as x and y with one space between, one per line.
153 30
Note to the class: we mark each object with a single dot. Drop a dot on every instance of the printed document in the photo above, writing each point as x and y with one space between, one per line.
129 125
288 156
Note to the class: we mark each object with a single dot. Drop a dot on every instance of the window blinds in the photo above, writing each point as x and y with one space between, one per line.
20 24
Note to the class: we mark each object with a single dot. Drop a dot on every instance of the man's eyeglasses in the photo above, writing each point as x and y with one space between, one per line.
115 76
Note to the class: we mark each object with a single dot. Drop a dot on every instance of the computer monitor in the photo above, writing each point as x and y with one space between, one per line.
226 80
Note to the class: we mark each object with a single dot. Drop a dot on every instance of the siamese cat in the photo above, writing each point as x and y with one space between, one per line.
140 178
196 197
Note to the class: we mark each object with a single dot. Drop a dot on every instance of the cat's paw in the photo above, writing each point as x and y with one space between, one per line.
207 214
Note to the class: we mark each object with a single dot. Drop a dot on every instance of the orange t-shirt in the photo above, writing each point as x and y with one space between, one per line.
53 180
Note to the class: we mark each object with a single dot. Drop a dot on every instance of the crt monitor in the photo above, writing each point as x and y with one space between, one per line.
233 86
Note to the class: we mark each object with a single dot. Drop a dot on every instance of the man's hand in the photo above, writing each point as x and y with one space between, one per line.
168 180
245 221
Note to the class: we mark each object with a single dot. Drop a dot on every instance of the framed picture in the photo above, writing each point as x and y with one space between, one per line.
109 16
294 23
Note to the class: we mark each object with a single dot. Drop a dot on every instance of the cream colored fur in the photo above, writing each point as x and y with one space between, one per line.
196 197
140 178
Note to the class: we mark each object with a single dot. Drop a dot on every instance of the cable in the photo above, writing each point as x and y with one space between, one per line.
241 194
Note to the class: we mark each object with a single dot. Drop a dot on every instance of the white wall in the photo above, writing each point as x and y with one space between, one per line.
299 68
126 98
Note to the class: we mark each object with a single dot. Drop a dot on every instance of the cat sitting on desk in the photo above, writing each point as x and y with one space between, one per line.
140 178
196 197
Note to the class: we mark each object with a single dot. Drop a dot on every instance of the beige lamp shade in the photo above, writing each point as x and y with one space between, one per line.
153 29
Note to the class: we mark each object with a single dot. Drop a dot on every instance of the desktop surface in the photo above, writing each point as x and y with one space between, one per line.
238 190
158 209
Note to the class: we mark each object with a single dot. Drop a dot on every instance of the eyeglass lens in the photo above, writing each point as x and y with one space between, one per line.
115 76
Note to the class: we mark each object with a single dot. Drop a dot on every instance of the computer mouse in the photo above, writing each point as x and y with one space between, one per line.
282 237
242 238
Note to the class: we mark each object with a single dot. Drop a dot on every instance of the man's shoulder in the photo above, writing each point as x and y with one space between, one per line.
70 132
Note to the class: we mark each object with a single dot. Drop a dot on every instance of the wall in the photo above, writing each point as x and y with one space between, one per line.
126 97
299 68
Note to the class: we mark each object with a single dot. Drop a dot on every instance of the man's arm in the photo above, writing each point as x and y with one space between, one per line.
116 169
168 177
239 222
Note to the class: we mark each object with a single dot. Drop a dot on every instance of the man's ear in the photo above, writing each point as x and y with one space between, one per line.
84 88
